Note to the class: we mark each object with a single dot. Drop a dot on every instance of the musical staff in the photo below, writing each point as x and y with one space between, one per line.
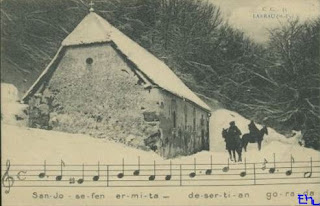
159 174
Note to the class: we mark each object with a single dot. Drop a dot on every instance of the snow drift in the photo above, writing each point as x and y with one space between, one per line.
12 112
221 118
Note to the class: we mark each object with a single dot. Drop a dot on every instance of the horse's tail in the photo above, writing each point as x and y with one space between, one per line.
244 141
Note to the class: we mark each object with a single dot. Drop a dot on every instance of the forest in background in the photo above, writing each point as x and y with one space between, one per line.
276 84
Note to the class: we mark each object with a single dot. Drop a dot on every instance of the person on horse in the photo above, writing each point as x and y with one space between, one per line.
253 130
234 131
233 141
233 135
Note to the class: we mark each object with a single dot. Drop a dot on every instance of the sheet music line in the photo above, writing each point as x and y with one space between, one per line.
140 174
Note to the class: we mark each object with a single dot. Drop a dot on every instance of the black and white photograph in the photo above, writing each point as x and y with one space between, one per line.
160 102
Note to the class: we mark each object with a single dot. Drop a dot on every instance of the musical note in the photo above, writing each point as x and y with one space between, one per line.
81 180
59 177
309 173
43 174
226 169
244 173
194 173
137 172
273 169
121 174
168 177
209 171
7 180
72 180
289 172
96 177
264 165
153 177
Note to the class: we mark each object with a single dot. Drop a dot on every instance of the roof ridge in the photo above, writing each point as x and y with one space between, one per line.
87 31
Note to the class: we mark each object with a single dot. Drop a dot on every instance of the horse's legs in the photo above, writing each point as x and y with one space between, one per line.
234 155
245 144
239 155
230 154
259 145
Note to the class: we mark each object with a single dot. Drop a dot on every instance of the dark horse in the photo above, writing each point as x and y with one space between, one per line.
233 144
254 138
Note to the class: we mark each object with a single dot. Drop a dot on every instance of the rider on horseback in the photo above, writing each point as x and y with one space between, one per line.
253 130
255 135
233 131
233 141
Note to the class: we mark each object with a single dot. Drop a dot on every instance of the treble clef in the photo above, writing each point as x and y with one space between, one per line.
7 180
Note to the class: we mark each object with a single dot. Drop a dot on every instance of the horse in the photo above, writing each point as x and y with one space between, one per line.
233 144
254 138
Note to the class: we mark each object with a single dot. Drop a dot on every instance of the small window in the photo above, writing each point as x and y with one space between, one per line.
185 116
89 61
174 119
194 119
202 121
173 110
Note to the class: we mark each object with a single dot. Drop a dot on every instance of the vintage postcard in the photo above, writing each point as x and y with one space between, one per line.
160 102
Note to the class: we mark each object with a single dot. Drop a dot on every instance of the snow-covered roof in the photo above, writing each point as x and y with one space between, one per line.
94 29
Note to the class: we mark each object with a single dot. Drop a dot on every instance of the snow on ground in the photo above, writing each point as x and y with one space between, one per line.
11 109
221 119
34 145
9 93
28 144
272 143
24 144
